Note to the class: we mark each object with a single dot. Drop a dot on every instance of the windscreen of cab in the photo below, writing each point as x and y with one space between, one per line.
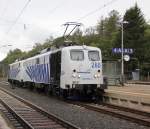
77 55
93 55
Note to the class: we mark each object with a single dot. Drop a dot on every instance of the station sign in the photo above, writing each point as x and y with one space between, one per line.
125 50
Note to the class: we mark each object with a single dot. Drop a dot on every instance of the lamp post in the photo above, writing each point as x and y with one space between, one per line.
122 53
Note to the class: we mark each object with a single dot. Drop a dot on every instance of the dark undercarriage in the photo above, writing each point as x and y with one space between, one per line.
79 92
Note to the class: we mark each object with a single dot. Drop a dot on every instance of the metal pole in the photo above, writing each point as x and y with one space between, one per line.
122 53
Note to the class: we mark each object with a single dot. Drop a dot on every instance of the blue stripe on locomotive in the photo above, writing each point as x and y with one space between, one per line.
13 73
38 73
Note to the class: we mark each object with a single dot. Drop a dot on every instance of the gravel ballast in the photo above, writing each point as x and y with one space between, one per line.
78 116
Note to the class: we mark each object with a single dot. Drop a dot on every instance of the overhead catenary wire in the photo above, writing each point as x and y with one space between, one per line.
90 13
56 7
6 22
96 10
18 16
24 25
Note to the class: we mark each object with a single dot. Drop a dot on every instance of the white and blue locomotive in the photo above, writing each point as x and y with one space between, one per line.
68 71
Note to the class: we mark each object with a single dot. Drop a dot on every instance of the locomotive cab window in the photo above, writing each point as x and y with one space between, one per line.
93 55
77 55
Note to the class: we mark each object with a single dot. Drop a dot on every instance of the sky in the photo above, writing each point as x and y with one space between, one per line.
26 22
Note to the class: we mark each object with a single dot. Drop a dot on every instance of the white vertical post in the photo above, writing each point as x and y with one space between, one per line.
122 53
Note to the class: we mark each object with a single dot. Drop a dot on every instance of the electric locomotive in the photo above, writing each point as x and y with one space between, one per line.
68 71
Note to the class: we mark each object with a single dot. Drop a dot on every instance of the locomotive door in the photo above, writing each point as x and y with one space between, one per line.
55 68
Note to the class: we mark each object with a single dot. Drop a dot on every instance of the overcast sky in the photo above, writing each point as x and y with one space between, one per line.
43 18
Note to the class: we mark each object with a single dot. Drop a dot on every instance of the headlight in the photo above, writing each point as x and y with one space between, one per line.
95 75
79 76
98 75
74 75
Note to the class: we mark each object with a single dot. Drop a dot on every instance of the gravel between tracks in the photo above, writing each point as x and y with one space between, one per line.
79 116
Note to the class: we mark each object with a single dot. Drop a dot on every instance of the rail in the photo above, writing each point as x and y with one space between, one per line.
136 116
29 115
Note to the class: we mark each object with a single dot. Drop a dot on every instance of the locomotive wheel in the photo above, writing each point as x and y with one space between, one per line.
53 90
63 94
46 89
50 90
31 87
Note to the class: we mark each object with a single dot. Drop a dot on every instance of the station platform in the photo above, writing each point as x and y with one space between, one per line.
131 95
141 89
3 123
139 82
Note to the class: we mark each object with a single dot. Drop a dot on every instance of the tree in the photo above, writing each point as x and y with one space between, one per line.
77 36
108 26
134 32
90 37
107 29
12 56
100 27
147 44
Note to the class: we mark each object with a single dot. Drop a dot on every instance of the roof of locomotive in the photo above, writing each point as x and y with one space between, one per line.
16 62
65 48
81 47
60 49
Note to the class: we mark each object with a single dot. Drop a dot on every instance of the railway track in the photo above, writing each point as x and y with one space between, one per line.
136 116
24 115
